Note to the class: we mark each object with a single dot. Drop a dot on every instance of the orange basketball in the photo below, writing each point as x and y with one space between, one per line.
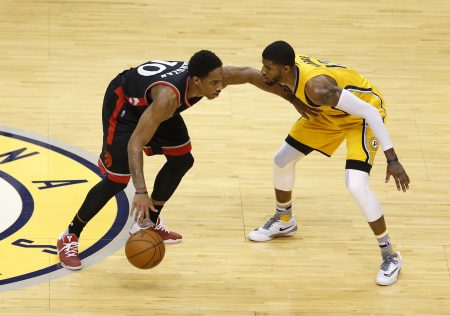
145 249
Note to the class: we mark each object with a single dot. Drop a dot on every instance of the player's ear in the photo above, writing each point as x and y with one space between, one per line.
196 80
286 68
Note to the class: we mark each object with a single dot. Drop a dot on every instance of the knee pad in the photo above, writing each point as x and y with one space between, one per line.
181 164
284 167
357 183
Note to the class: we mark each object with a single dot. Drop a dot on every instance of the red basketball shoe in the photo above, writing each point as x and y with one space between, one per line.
163 231
68 252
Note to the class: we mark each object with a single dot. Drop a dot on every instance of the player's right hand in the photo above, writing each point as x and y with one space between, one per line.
396 170
140 207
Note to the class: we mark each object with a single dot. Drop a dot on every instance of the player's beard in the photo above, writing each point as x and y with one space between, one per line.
273 81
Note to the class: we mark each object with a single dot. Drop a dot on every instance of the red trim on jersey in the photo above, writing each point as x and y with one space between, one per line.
185 94
148 151
137 101
113 177
177 151
168 84
100 165
119 179
133 101
113 119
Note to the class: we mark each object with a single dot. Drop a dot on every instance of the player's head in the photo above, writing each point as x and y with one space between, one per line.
205 70
278 58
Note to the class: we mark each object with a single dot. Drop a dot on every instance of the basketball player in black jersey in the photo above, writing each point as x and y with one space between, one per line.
141 113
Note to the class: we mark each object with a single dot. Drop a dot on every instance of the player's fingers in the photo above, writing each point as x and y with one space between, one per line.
313 112
407 178
132 209
403 185
141 215
303 113
388 176
153 209
406 182
397 183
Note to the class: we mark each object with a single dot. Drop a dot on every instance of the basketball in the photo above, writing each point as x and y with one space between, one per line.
145 249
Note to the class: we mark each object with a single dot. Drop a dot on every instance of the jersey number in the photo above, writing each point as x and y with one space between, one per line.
155 67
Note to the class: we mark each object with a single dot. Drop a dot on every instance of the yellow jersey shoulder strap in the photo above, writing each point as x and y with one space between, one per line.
307 68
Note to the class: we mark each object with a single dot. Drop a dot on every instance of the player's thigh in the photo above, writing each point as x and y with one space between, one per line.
170 139
114 156
316 135
362 147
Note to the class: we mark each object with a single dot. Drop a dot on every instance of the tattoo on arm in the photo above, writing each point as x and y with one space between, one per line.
323 90
136 163
329 96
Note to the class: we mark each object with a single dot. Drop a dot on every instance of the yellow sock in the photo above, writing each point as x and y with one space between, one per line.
285 218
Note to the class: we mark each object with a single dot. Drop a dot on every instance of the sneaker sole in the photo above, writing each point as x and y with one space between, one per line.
70 267
267 238
172 241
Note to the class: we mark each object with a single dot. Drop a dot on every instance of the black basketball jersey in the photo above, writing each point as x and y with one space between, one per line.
139 80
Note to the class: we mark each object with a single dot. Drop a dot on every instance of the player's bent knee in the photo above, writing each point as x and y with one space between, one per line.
357 183
287 156
278 160
181 163
356 187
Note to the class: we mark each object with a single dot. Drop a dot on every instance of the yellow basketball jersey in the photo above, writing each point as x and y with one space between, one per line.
346 78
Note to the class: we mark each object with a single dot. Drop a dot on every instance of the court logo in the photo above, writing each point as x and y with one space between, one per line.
42 185
373 143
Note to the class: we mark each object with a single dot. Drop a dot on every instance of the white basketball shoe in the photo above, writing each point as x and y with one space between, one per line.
389 269
273 228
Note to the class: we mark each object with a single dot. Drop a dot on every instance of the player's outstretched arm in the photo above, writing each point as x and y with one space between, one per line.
241 75
164 104
323 90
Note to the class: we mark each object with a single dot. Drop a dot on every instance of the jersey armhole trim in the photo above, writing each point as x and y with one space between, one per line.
164 83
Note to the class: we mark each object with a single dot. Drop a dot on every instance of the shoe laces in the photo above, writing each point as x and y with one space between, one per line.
160 226
70 249
388 260
270 222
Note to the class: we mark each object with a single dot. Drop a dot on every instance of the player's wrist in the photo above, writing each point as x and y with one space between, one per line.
392 160
391 156
141 192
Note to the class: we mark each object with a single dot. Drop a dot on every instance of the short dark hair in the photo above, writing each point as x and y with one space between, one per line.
202 63
280 53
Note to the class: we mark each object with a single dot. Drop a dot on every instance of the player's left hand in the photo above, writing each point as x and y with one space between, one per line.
140 207
399 174
304 109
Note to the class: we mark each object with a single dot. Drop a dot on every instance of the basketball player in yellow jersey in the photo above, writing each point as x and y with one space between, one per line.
351 109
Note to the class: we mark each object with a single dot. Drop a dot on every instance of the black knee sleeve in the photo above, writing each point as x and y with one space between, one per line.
170 175
181 164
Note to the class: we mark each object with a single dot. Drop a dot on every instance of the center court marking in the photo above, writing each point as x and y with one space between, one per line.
42 184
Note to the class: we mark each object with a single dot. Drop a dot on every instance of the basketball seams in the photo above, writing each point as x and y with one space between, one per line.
146 249
150 260
156 246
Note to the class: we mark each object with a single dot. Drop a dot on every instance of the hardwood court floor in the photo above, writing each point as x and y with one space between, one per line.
56 59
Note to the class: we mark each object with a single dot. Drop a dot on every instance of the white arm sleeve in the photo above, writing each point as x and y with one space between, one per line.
353 105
